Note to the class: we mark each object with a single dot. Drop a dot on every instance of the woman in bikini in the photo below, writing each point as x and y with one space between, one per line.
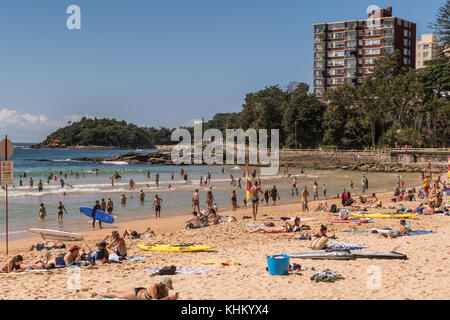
13 265
157 291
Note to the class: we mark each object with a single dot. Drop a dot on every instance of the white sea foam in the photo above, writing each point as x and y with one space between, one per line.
116 163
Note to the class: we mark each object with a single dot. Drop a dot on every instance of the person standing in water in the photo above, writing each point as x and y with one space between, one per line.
42 212
142 196
123 199
110 206
157 205
234 200
255 190
195 201
157 180
61 210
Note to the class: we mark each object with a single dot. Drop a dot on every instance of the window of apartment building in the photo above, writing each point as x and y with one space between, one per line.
388 42
318 74
350 73
372 42
359 80
405 42
368 70
335 72
360 33
388 33
351 44
359 52
373 23
388 23
405 52
352 25
336 81
339 44
426 46
409 34
405 33
335 63
319 56
351 36
425 54
369 61
372 51
372 32
336 35
360 61
405 61
333 54
399 22
319 65
319 47
320 28
405 24
335 26
350 63
388 50
318 83
320 92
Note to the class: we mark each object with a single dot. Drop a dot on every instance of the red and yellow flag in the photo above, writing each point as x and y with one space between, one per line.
249 186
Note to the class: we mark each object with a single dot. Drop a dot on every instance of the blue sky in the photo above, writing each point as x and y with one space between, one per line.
158 63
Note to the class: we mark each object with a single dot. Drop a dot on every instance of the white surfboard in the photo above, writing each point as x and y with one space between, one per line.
57 234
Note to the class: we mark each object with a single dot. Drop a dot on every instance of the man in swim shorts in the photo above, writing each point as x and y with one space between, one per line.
255 190
157 205
195 201
94 210
193 222
61 208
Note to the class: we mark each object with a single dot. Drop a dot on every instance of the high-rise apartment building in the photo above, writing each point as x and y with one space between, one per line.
427 48
344 52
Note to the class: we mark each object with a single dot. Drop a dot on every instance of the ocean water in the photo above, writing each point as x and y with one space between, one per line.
38 163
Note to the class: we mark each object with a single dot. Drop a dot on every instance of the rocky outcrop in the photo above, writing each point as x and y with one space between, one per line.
50 143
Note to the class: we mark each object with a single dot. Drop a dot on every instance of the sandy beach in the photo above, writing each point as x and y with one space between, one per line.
422 276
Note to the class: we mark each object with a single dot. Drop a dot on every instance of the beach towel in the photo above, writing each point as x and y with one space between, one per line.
420 232
356 231
277 231
136 258
108 298
181 270
254 224
222 262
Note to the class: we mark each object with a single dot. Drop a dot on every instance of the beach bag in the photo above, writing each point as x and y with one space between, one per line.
232 219
319 243
167 271
333 208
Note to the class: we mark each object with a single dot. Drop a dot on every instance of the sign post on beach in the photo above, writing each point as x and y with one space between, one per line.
7 175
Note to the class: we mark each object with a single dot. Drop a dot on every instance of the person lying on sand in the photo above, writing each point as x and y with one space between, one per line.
287 228
13 265
157 291
401 230
323 233
131 234
193 222
47 245
65 260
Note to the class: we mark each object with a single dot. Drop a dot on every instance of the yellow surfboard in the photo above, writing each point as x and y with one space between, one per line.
174 247
384 216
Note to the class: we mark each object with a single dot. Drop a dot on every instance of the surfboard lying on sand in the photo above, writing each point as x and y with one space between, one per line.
347 255
384 216
99 215
57 234
174 247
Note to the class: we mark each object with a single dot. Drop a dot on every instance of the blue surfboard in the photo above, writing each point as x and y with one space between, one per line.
99 215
